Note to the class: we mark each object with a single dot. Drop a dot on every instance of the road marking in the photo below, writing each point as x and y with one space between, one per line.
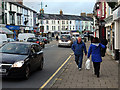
54 74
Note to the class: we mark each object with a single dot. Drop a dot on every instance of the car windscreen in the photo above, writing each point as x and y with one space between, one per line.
15 48
65 37
32 39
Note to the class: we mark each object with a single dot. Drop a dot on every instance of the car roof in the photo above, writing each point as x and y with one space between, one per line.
29 43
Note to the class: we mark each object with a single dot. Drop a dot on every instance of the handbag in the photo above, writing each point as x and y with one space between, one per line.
87 64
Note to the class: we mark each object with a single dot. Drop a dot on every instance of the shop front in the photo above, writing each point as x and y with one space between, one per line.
14 29
116 18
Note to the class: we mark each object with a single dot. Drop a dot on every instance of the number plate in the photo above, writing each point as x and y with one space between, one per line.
2 70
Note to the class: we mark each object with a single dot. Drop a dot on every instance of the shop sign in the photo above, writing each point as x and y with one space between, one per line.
99 13
10 27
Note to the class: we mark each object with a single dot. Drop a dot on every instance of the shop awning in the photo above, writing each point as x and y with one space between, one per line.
5 30
10 27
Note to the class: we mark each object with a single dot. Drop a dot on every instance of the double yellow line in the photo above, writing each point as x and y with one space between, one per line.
54 74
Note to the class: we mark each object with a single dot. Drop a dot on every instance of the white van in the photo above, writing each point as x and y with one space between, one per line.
3 39
25 36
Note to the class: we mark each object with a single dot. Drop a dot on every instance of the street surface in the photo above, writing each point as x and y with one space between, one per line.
54 57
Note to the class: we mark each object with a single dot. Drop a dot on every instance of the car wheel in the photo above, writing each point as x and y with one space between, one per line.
58 45
41 64
27 73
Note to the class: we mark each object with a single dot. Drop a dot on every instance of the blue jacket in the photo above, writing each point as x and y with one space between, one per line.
94 49
78 48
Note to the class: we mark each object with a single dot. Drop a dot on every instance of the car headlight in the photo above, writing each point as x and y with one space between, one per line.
18 64
69 41
60 41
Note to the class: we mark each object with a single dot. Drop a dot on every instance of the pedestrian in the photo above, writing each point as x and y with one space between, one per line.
57 38
91 37
78 46
104 42
94 49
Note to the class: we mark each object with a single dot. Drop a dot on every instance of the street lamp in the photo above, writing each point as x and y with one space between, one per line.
41 14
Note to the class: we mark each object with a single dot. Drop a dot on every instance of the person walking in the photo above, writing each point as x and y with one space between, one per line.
78 46
104 42
94 49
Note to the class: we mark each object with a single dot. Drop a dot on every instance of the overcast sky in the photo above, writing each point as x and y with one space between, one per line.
73 7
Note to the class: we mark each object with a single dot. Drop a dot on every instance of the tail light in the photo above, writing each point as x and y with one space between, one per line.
44 39
37 42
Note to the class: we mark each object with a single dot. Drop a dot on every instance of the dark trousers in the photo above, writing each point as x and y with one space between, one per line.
97 68
78 60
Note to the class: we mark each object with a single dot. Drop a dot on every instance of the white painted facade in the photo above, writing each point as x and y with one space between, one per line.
21 11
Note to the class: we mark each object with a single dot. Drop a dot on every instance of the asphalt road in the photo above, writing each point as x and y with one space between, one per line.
54 57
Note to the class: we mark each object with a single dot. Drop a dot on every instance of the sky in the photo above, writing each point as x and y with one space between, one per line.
72 7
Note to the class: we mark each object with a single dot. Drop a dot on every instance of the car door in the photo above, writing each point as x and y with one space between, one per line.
39 53
33 58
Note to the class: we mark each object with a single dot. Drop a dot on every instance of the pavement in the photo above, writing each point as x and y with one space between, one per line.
71 77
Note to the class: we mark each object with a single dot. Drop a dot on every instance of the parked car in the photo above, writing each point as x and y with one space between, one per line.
25 36
45 39
19 59
65 40
36 40
10 40
3 39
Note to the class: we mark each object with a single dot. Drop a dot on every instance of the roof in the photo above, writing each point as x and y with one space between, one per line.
23 6
64 17
30 43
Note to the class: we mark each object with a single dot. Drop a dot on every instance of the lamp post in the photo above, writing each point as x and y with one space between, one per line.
41 14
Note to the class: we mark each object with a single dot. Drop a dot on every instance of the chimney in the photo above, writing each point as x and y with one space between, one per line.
61 12
90 15
83 14
20 2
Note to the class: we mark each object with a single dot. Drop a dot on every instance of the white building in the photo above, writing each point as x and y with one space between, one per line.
18 18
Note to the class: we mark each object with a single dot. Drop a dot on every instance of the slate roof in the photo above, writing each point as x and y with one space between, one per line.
64 17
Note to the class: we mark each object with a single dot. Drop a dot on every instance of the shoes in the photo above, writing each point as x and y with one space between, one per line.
98 76
79 69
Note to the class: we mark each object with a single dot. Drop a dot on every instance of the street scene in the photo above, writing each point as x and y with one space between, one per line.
59 44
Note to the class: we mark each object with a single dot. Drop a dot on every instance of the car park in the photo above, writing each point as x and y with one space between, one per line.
65 40
36 40
19 59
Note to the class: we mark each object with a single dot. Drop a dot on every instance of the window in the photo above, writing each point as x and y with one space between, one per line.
70 27
76 27
5 18
10 7
58 22
12 18
73 27
54 21
70 22
47 27
47 22
5 5
41 22
3 21
19 19
52 27
58 28
63 22
67 22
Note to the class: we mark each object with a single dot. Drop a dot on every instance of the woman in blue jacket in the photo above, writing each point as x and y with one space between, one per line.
94 49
